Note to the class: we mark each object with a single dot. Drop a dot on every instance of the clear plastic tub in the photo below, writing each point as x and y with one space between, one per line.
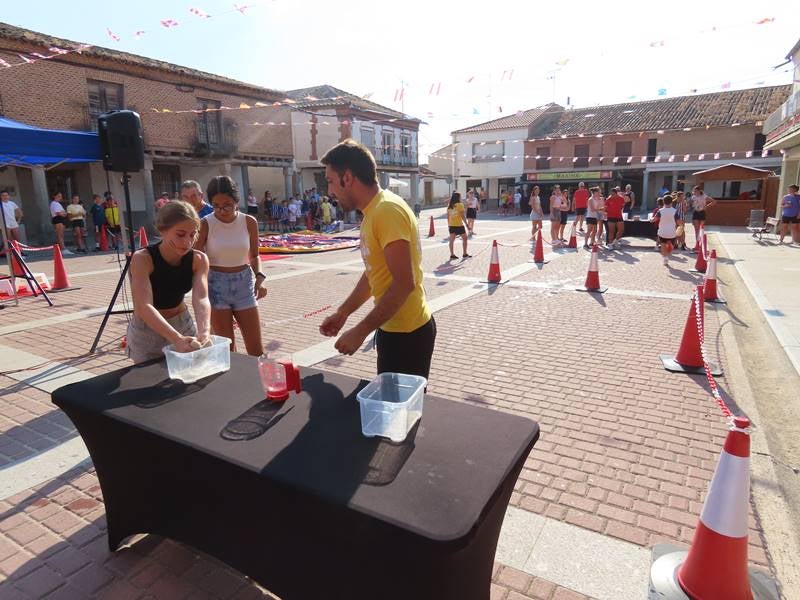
391 404
188 367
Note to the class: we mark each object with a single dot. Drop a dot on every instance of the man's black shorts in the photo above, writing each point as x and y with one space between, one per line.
408 353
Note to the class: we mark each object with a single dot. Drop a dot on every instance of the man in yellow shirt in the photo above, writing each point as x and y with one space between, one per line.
392 255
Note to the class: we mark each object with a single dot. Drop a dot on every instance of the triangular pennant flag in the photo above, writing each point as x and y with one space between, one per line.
261 104
199 13
112 35
168 23
244 106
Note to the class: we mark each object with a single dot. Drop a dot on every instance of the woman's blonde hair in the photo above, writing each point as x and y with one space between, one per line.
175 211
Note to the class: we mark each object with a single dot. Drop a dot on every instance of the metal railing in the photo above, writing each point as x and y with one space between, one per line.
785 111
396 158
213 141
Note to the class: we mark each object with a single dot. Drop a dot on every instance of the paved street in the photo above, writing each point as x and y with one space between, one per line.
626 449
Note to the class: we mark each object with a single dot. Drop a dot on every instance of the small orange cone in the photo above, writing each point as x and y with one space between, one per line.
689 358
103 238
16 267
494 266
431 230
142 237
573 240
592 283
700 265
710 282
60 279
538 255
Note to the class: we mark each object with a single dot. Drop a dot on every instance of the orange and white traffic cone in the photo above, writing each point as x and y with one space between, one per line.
689 358
16 267
538 253
592 283
60 279
103 238
573 240
701 264
710 282
715 567
142 237
431 230
494 266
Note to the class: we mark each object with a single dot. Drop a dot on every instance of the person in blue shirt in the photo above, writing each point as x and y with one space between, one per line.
192 193
790 216
98 212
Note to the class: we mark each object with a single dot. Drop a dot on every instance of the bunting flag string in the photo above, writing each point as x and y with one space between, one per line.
615 159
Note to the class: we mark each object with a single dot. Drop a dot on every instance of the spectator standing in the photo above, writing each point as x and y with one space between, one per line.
472 211
556 203
517 202
161 201
325 208
13 215
566 207
111 211
537 214
581 199
630 201
252 204
58 217
614 205
235 281
594 218
294 212
98 212
192 193
700 202
790 214
455 224
77 221
681 208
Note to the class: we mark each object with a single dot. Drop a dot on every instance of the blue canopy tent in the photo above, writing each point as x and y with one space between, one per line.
23 145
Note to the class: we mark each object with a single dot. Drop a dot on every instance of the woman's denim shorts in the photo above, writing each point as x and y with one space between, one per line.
233 291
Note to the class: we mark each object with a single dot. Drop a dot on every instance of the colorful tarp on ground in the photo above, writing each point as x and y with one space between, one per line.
304 241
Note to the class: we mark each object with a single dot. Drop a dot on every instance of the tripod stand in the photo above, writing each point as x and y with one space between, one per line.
11 256
132 247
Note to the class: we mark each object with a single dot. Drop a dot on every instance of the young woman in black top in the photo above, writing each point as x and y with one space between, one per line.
161 275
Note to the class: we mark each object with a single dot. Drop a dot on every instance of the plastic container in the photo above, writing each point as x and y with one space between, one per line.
188 367
391 404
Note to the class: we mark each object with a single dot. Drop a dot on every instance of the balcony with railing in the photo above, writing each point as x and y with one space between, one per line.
396 158
788 111
214 139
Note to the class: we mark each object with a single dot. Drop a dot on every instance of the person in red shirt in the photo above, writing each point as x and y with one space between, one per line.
616 225
581 200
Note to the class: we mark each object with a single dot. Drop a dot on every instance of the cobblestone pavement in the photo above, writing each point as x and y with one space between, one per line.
626 448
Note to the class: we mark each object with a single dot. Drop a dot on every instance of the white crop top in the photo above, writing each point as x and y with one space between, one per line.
228 244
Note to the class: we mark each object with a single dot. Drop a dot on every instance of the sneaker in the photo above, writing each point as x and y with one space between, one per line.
467 256
65 251
453 257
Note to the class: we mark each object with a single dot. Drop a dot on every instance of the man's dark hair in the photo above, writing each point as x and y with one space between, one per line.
794 187
352 156
668 200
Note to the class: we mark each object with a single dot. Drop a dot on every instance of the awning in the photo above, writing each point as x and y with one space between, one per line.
25 146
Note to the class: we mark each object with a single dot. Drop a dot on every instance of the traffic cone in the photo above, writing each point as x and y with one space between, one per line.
689 358
592 283
431 230
573 240
538 254
60 279
103 238
494 266
142 237
696 248
716 564
700 265
16 267
710 282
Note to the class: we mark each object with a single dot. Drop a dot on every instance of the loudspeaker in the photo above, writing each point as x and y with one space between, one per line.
120 134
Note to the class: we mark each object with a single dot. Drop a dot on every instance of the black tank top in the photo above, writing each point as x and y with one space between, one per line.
170 284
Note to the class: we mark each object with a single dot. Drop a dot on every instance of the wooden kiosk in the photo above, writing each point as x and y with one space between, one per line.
736 211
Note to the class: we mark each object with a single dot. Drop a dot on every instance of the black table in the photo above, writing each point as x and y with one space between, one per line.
644 229
310 509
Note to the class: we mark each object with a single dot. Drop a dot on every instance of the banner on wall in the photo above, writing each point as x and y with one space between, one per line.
569 175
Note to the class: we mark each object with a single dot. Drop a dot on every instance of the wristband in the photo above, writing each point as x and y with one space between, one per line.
260 274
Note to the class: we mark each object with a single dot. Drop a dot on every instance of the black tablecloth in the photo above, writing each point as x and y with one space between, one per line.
644 229
310 508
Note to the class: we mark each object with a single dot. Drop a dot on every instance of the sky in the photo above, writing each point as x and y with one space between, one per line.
457 63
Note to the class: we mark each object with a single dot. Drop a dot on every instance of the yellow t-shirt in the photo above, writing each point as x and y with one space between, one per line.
387 218
326 212
75 212
455 215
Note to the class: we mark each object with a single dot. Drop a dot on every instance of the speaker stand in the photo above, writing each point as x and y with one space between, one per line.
121 282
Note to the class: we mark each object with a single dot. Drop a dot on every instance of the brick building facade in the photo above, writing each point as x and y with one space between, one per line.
68 91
